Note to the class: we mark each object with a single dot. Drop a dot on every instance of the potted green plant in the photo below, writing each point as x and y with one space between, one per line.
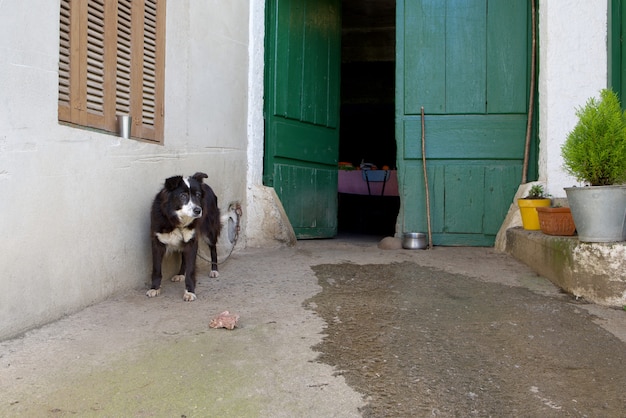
594 153
535 198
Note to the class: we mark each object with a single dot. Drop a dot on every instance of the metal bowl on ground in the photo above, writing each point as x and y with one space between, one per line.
414 241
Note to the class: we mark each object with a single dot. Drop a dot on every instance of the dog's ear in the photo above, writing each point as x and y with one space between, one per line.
173 182
199 176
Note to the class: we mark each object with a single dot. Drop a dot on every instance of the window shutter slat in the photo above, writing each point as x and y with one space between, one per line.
123 64
64 61
95 57
149 65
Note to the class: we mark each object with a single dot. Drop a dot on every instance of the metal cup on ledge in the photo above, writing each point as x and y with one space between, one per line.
124 123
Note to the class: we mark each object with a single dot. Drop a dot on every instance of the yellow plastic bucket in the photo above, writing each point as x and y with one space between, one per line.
530 218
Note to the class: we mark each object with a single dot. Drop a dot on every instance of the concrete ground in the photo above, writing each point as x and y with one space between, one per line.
135 356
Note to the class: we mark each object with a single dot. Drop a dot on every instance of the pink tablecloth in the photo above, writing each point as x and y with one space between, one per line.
352 182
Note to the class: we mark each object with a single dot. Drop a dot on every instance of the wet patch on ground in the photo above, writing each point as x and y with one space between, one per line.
417 341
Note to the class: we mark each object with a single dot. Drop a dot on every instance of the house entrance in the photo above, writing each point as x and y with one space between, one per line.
367 130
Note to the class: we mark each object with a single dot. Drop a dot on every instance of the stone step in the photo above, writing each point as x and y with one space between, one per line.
593 271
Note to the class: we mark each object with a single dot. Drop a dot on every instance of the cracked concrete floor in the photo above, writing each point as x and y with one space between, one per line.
134 356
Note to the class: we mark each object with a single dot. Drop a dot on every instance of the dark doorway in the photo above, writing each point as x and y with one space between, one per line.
367 129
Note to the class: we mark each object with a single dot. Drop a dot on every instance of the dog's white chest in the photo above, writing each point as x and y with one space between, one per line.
177 237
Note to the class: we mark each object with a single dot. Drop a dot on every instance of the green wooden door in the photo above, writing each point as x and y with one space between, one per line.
302 111
617 48
467 63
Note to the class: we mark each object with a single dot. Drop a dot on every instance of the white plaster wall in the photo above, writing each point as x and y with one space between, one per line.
573 67
74 203
256 134
266 223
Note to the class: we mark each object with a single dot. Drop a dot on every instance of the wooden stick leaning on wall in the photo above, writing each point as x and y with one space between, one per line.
430 235
531 100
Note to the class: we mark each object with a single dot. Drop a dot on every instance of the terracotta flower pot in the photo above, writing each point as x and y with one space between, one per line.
556 221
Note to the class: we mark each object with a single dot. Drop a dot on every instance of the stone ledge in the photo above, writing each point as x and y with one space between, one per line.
593 271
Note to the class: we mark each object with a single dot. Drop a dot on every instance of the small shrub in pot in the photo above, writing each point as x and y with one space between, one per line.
595 150
595 153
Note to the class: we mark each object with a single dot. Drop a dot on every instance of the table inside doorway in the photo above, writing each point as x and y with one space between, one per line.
352 182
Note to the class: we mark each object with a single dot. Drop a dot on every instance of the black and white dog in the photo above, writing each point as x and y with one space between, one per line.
182 212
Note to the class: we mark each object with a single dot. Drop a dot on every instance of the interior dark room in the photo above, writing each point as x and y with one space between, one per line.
367 133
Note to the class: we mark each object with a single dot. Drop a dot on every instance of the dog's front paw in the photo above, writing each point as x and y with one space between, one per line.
213 274
153 293
189 297
178 278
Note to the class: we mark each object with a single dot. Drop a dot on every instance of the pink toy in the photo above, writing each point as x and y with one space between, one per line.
224 320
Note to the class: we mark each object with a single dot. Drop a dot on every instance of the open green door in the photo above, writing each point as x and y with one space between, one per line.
303 40
467 64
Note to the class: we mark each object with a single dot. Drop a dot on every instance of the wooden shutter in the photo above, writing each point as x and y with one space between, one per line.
92 86
148 41
112 60
124 54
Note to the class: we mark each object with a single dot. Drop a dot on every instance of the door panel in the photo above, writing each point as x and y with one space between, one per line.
305 188
459 58
466 136
508 57
311 143
466 63
465 34
302 111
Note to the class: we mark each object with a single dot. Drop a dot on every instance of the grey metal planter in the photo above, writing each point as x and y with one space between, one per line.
599 212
